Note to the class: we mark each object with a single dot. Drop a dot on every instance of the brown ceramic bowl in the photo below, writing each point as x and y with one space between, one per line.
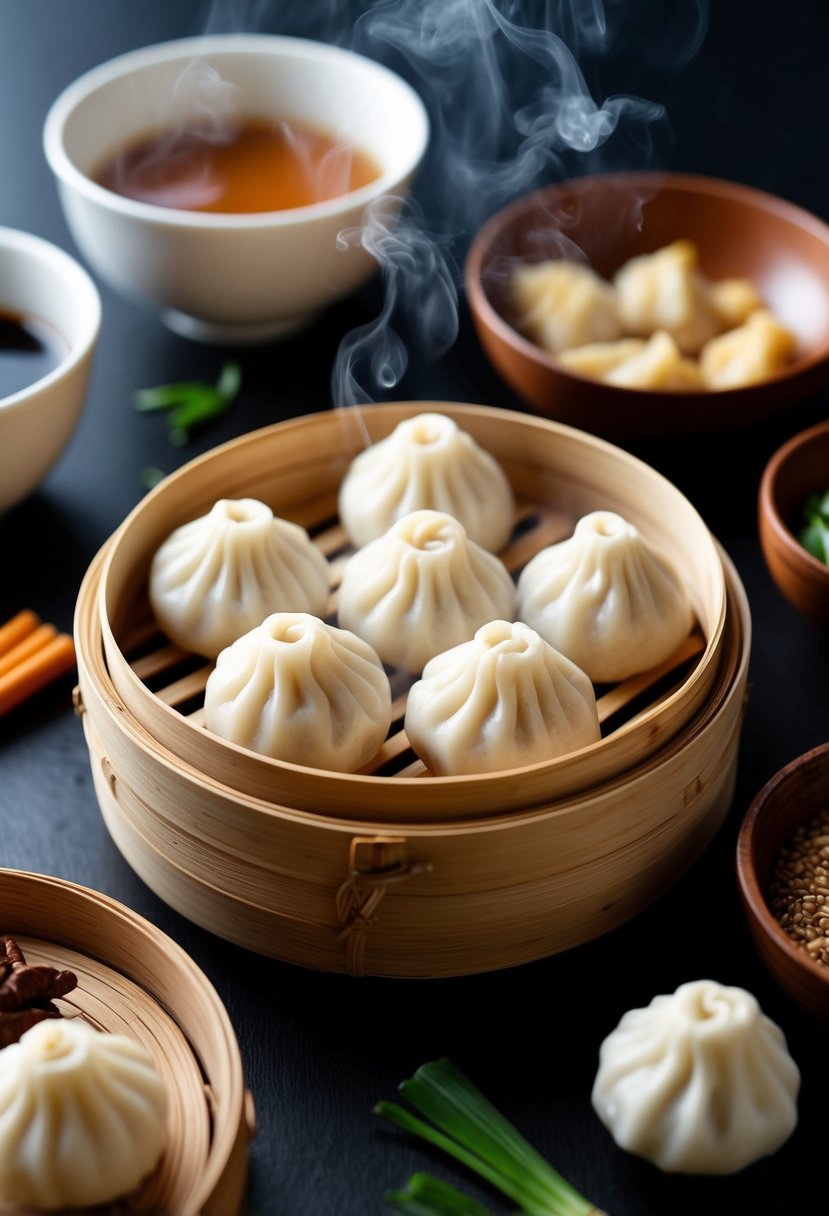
794 794
739 232
796 470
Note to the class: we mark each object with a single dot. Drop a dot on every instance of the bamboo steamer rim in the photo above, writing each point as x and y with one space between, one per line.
355 787
120 958
95 678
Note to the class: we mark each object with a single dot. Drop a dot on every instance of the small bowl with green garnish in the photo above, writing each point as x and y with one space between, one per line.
793 516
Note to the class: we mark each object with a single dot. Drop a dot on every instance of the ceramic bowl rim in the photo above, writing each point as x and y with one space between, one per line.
770 510
269 45
34 248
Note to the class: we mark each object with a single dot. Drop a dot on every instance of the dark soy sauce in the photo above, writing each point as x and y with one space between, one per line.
29 350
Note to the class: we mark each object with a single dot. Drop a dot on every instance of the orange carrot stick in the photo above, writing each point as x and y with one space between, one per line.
47 664
34 642
17 629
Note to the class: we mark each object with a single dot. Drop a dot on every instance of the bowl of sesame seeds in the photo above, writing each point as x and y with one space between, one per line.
783 875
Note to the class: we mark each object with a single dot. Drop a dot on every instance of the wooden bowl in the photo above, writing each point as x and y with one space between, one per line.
739 232
423 898
134 980
791 797
797 469
558 475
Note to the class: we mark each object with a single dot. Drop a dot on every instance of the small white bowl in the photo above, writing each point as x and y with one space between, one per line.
41 281
223 277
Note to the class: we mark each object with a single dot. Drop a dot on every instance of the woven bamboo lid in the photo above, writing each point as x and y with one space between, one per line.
558 474
134 980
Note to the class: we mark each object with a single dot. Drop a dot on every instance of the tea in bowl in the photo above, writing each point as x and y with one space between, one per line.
50 316
211 177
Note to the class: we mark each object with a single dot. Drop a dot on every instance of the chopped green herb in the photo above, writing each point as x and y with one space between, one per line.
814 535
424 1195
458 1119
191 403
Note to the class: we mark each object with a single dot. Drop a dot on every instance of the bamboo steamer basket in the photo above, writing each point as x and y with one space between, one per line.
134 980
558 474
416 899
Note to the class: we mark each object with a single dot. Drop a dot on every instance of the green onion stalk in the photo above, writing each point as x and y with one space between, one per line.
454 1116
814 535
191 403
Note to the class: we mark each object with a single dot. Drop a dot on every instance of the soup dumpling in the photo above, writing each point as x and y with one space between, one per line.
606 598
561 304
658 365
299 690
218 576
698 1082
82 1116
665 290
421 588
752 353
502 700
427 463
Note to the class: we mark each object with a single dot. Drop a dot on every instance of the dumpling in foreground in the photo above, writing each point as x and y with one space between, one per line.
218 576
754 352
561 304
82 1116
606 598
427 463
502 700
422 588
302 691
699 1082
665 290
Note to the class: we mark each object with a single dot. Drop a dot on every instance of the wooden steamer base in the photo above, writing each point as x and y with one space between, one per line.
405 875
134 980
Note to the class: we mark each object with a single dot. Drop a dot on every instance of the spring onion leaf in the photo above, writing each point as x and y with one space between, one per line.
424 1195
151 476
190 403
457 1118
814 535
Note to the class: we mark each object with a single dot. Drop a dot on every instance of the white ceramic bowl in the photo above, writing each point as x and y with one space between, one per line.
41 281
225 277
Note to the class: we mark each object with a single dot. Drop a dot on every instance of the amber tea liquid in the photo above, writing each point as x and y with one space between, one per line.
29 350
256 166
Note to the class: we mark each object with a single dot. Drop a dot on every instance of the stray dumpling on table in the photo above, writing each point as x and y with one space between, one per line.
82 1116
502 700
427 463
754 352
218 576
422 588
606 598
699 1082
665 290
560 304
302 691
656 363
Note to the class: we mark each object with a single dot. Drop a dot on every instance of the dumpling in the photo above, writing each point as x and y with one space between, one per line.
656 363
606 598
502 700
666 290
300 690
427 463
753 352
216 577
734 300
422 588
560 304
82 1116
596 359
699 1082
